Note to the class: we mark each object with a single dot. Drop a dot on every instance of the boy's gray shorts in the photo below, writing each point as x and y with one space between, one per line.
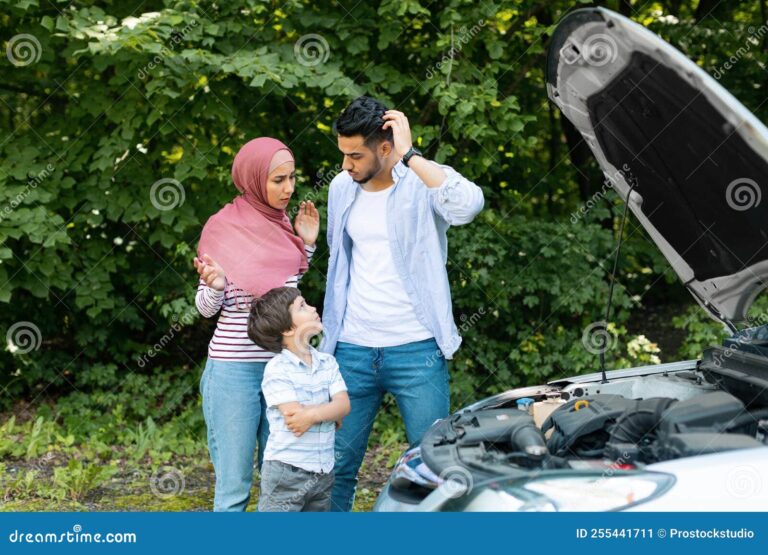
287 488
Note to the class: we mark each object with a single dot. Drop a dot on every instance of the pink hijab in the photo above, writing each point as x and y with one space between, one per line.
253 242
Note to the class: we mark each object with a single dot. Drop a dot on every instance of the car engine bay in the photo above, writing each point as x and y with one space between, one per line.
627 423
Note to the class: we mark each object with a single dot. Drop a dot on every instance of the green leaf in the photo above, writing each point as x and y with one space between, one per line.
495 49
258 80
26 4
357 45
48 23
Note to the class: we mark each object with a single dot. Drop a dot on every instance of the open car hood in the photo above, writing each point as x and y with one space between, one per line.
688 156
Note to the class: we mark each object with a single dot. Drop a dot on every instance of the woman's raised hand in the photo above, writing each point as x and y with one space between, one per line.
211 272
307 223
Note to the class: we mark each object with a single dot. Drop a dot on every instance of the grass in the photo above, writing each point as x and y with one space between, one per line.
45 468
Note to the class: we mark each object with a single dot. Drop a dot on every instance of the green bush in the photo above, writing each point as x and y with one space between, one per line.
100 270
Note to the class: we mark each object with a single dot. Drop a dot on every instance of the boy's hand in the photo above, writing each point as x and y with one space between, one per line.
300 420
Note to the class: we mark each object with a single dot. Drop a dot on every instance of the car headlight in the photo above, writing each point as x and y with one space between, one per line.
572 492
410 469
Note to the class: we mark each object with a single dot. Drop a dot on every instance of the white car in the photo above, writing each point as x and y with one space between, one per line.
690 161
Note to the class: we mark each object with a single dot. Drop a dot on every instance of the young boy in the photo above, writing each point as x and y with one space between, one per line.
306 400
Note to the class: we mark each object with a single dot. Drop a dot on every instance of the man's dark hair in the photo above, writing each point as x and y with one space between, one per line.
271 316
364 117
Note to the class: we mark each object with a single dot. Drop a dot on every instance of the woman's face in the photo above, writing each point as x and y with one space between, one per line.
280 185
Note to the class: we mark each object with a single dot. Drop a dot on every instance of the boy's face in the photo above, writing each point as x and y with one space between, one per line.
306 321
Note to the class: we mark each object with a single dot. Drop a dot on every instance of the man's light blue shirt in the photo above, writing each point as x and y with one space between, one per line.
418 218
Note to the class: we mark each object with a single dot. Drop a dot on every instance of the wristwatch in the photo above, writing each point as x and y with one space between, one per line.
408 155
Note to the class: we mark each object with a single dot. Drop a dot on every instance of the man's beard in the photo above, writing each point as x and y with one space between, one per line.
371 174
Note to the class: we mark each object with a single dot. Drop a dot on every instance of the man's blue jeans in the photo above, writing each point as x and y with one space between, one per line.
416 374
235 415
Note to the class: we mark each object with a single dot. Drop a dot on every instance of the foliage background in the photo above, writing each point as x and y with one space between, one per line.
126 93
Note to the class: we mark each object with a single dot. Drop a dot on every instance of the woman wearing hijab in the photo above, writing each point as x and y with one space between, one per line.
246 248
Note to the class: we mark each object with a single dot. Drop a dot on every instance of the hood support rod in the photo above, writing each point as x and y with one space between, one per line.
613 278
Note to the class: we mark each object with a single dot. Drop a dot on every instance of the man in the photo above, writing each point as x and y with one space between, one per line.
388 315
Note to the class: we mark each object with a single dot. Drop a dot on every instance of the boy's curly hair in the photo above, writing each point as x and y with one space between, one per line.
270 316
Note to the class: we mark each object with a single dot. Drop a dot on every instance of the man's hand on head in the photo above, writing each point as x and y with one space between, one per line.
401 131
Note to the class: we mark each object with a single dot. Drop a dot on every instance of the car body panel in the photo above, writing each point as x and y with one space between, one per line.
733 481
688 156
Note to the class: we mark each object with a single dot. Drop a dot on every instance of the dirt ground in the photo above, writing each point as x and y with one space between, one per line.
182 485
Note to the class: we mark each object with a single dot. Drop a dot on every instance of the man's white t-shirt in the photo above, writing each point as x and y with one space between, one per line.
379 312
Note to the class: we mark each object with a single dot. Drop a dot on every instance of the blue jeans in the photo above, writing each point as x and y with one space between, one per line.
236 416
416 374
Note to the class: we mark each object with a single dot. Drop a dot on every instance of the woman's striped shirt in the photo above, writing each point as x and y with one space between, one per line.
230 341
